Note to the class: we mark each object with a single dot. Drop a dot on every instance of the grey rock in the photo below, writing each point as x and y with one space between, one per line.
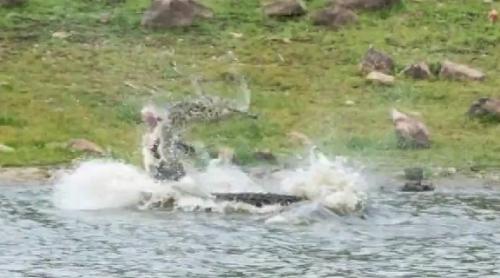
418 71
380 78
454 71
417 186
84 145
485 107
375 60
285 8
174 13
411 133
24 175
334 17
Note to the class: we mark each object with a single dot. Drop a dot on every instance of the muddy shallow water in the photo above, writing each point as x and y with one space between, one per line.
453 232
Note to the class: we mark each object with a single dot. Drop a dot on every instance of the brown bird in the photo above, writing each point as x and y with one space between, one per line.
411 133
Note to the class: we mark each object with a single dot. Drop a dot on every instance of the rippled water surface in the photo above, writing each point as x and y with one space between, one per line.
448 233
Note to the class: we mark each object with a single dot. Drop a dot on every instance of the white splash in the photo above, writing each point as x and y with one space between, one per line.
101 184
105 184
329 182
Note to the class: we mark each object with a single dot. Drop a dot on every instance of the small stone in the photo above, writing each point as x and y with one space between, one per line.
410 132
61 35
24 175
454 71
485 107
475 168
349 103
375 60
417 186
418 71
174 13
380 78
6 149
236 35
84 145
451 170
334 17
285 8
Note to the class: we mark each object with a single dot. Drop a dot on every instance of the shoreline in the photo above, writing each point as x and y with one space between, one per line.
43 175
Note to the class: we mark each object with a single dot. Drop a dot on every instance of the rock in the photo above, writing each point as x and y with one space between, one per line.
174 13
84 145
349 102
380 78
450 171
24 175
454 71
6 149
236 35
258 199
411 133
285 8
485 107
367 4
334 17
417 186
414 174
418 71
376 61
266 155
12 3
61 35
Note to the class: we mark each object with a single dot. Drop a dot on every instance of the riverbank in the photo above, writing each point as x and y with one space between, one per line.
85 68
449 177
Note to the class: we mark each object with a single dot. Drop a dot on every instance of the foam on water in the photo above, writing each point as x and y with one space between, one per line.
101 184
329 182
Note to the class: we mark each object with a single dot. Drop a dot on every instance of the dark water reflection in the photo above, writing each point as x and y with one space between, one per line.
449 233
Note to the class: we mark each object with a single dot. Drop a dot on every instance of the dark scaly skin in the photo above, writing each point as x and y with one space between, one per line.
181 114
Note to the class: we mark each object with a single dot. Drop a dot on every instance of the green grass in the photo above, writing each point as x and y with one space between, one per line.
93 83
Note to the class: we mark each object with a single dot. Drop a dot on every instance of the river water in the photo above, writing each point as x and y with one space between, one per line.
452 232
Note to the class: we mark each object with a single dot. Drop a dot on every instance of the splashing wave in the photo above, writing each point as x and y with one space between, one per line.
99 184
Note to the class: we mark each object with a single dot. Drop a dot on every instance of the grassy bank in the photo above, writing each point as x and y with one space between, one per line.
93 83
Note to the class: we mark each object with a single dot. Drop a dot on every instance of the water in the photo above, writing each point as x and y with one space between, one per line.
453 232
